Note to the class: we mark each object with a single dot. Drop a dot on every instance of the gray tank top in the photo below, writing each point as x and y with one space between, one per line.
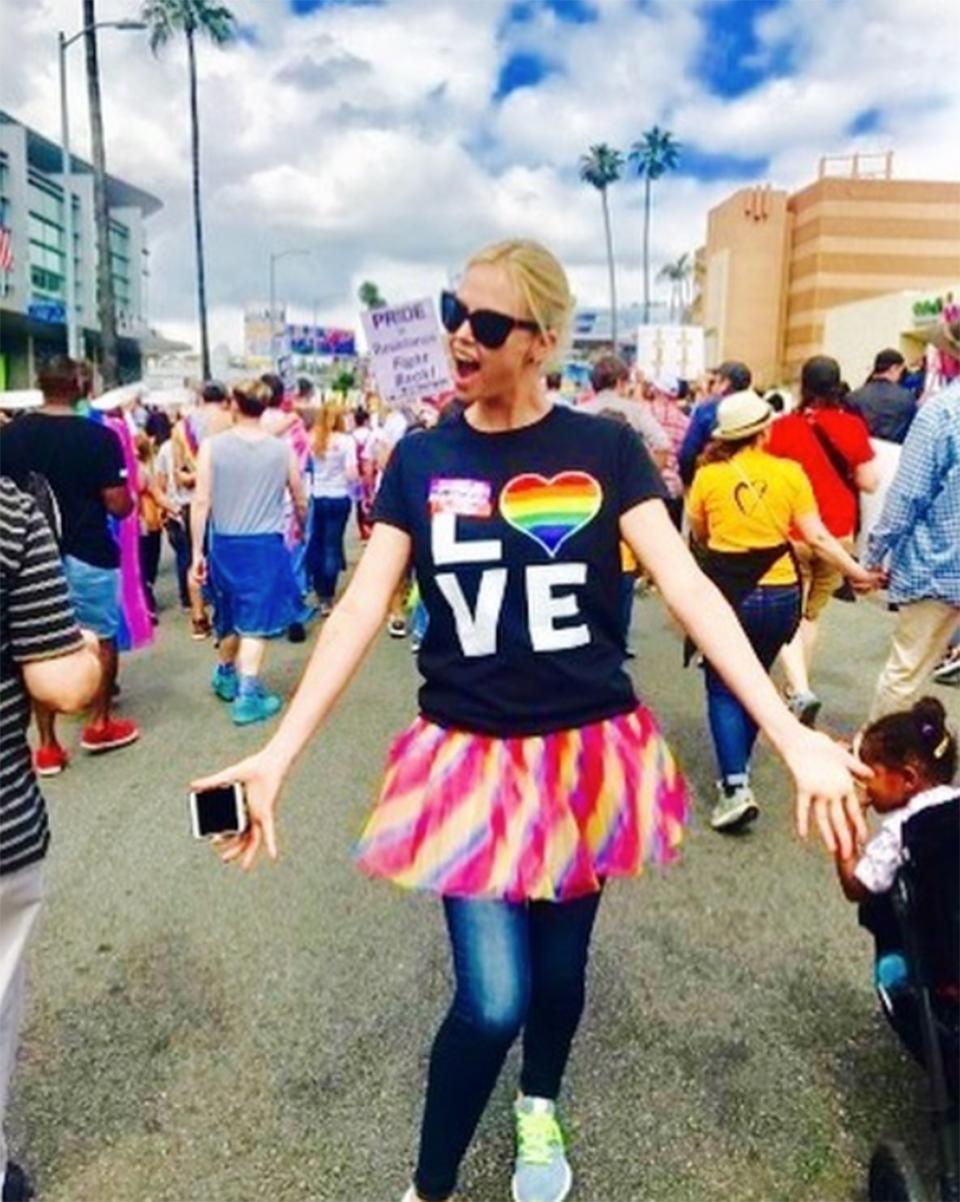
249 482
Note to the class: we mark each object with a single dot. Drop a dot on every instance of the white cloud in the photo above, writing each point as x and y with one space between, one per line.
370 135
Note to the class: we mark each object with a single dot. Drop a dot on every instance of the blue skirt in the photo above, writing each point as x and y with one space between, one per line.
254 589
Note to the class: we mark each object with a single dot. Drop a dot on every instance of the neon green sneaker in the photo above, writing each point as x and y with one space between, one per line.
541 1172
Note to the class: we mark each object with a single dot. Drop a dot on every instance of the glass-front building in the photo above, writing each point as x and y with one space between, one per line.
33 269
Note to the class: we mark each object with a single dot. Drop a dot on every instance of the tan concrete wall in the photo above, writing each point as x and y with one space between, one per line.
855 239
744 293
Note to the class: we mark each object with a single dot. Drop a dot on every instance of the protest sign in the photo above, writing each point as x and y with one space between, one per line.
407 350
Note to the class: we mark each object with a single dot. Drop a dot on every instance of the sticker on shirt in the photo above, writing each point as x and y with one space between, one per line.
551 511
464 498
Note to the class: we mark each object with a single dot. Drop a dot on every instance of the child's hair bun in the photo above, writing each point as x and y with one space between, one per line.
931 720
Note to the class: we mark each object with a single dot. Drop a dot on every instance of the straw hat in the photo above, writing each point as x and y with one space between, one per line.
21 398
741 414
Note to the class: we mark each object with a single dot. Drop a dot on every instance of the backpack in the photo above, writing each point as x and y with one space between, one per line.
38 488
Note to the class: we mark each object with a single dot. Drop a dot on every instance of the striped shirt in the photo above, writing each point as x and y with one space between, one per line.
919 529
36 622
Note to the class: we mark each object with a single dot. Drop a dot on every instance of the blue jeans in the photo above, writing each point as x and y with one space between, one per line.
325 558
517 966
769 615
178 536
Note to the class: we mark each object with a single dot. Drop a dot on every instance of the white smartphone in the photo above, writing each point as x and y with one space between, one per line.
219 811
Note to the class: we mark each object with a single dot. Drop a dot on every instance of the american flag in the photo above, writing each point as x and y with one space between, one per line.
6 249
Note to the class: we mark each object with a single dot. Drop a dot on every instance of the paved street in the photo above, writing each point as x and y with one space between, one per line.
196 1034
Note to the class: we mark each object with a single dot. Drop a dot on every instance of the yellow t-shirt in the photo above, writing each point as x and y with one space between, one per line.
738 517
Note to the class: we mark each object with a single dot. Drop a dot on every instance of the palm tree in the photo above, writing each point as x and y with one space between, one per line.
106 302
678 274
655 154
166 18
370 296
601 166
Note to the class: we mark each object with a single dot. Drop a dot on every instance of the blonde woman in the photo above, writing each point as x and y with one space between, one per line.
331 474
532 773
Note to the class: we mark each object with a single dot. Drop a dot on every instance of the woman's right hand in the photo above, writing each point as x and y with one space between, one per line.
262 778
866 580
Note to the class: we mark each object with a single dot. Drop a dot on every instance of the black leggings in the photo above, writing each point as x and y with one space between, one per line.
518 966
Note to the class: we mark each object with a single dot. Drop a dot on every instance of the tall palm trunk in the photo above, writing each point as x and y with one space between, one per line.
610 269
197 217
106 305
646 251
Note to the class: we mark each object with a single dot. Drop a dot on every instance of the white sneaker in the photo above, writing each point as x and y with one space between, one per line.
542 1172
736 806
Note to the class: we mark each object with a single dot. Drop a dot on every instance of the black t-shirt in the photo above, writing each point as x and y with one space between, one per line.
80 458
517 552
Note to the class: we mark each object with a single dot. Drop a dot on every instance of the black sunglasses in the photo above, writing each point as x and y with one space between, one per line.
491 329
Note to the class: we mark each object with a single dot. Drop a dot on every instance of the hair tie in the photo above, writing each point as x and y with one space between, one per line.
927 729
942 748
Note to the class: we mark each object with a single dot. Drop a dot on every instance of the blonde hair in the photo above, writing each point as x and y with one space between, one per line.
541 279
329 420
251 396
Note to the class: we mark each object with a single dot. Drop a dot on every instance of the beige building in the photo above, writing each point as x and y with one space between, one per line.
776 264
853 333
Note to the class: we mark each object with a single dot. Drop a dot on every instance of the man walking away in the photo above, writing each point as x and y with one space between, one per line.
919 536
886 407
242 477
43 656
84 466
731 376
610 379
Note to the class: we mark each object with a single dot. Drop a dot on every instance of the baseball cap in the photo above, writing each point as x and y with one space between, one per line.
738 374
886 359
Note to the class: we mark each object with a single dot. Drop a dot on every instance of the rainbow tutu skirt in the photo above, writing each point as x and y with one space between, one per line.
538 818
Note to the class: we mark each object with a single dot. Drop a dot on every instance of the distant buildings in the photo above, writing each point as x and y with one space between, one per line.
775 264
32 288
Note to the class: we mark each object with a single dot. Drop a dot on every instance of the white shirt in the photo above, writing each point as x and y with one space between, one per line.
636 413
163 465
883 855
331 474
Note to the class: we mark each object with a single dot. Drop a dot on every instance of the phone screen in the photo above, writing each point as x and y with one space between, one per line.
217 811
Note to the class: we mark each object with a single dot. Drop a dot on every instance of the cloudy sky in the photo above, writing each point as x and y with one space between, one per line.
392 137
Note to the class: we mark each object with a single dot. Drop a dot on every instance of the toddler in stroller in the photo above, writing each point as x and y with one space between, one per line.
906 881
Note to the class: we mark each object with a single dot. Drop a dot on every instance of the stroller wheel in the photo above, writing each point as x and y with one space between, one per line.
892 1175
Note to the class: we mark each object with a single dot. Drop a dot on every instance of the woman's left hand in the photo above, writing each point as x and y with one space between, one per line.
825 775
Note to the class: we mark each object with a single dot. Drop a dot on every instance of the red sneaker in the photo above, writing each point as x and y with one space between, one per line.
50 761
117 732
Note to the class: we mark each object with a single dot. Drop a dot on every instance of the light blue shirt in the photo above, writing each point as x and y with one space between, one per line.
919 529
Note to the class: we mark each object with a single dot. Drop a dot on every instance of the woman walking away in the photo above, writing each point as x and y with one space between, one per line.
832 445
331 471
155 510
532 774
743 504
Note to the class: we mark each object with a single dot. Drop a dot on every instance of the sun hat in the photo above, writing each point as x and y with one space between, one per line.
667 383
741 414
21 398
116 398
177 397
946 337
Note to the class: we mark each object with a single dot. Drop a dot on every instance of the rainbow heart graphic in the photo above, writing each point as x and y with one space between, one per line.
551 511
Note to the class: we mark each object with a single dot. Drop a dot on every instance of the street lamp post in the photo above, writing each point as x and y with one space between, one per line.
275 257
70 308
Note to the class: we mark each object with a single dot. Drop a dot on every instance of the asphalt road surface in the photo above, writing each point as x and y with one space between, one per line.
196 1034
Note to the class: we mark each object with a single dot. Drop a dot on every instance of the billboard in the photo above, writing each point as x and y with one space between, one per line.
320 340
